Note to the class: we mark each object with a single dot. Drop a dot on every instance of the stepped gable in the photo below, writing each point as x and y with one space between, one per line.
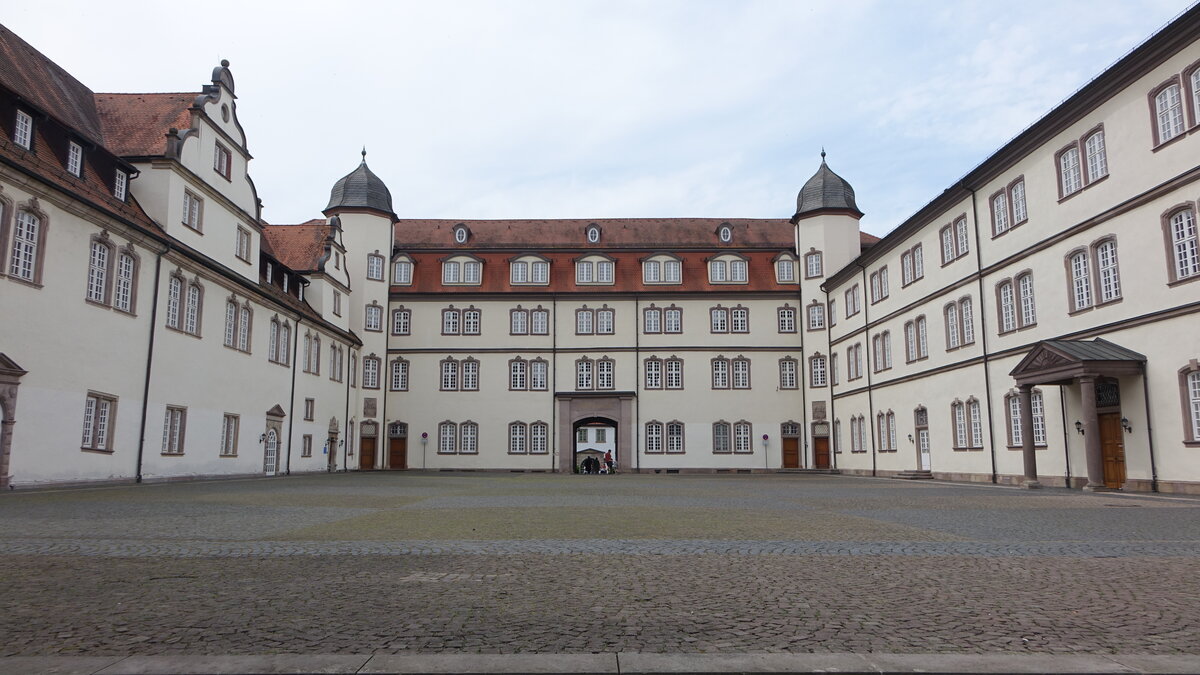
136 125
298 246
46 86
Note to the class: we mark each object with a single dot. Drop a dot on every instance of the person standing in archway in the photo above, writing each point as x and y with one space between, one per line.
608 461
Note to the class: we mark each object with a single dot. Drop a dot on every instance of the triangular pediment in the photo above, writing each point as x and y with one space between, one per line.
10 367
276 411
1042 357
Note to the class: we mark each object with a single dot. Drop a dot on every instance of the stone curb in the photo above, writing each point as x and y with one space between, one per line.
624 663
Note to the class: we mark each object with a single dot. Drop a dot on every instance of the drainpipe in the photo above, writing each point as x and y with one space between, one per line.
346 419
834 446
983 333
802 378
1062 407
552 326
870 364
149 363
287 469
637 381
385 371
1149 430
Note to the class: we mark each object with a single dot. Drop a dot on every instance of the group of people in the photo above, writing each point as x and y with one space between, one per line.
593 465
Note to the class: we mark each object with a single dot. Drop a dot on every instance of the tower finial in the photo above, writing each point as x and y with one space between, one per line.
822 153
364 153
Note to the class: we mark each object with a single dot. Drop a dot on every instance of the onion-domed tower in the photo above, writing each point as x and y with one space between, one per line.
826 219
360 205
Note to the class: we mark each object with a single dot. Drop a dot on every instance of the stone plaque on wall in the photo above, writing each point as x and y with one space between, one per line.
369 406
818 410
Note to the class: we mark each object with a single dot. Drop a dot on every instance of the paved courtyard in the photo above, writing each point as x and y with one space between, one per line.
400 563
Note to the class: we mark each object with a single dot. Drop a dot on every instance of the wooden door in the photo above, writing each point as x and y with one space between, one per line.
366 454
791 453
1112 449
821 453
398 453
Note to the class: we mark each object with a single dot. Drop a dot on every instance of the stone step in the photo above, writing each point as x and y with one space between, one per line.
914 475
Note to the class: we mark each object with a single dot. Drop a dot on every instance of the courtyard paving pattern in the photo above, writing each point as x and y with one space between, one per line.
400 563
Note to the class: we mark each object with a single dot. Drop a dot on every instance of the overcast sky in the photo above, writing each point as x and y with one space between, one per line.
561 109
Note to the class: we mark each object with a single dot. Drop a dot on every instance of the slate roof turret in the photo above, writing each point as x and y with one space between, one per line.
361 189
825 190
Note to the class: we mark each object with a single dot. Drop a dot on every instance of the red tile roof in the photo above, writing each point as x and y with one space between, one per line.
45 85
297 246
616 233
135 125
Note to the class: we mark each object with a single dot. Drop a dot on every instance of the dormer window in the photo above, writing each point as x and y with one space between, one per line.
402 271
725 234
462 270
727 269
120 185
594 269
75 158
285 282
662 269
461 233
785 269
23 131
529 270
593 234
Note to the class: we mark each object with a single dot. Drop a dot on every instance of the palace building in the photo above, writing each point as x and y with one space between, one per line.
1037 323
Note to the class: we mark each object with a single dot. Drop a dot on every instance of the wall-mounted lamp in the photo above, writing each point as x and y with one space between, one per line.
1125 425
910 438
1079 427
262 438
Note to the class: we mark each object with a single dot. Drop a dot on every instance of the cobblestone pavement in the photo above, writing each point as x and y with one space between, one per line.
398 563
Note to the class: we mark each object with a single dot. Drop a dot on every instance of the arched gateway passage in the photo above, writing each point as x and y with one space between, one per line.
594 436
594 410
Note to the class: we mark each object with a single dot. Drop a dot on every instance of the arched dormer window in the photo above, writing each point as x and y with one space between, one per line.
402 270
728 268
725 233
529 269
662 268
462 270
592 233
595 269
785 268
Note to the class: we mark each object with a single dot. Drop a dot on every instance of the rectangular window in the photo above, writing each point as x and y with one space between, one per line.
450 318
583 375
604 321
721 440
583 322
654 431
74 158
310 406
447 435
449 375
370 378
402 273
816 316
675 437
583 272
652 320
99 416
243 244
653 369
306 446
720 374
337 303
1169 107
516 438
812 265
604 374
401 321
399 375
123 295
375 267
222 160
120 185
719 320
539 435
470 375
673 320
817 374
541 273
518 322
787 374
23 131
191 210
674 368
604 271
538 375
787 320
741 374
672 271
471 321
739 320
229 435
26 239
517 371
716 271
1017 192
1106 264
374 318
540 320
174 427
468 438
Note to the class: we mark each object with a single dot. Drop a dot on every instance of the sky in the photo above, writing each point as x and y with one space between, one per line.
610 109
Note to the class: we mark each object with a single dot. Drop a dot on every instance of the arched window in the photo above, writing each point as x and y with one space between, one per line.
27 248
1180 230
